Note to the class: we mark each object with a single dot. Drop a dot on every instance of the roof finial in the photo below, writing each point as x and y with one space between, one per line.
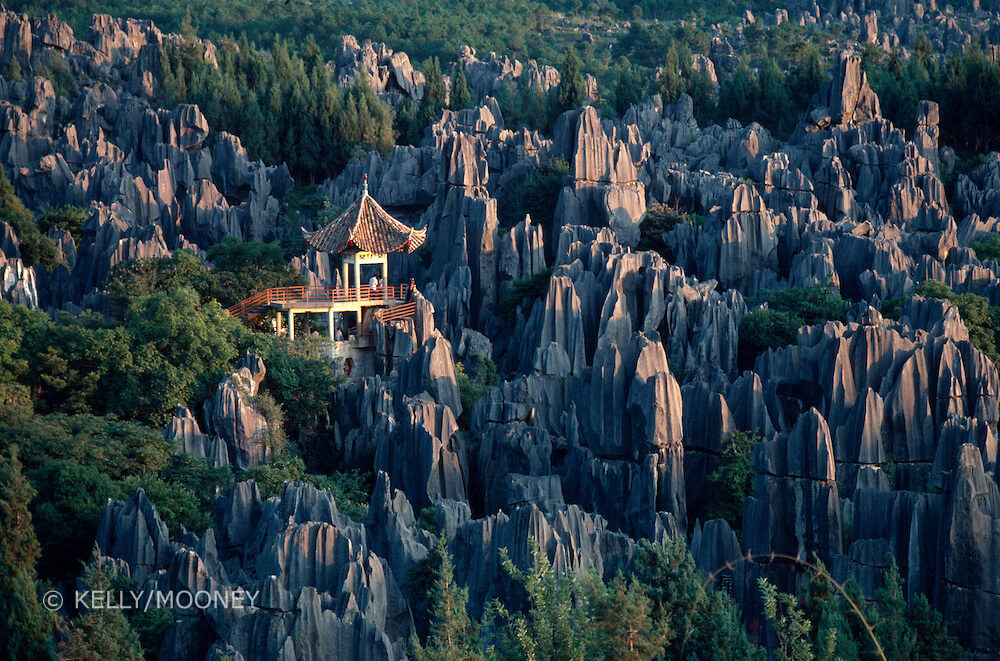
365 191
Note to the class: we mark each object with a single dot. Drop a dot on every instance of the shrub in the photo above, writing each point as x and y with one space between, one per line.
523 293
988 248
67 218
980 318
473 384
537 194
784 311
659 220
351 490
36 248
733 479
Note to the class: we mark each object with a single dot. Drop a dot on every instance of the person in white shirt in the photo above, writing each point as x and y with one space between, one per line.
372 286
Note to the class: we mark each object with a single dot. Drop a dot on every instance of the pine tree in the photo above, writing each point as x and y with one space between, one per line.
827 609
789 623
100 633
572 87
623 616
435 94
670 83
628 89
554 626
453 636
25 628
891 628
933 641
461 98
706 623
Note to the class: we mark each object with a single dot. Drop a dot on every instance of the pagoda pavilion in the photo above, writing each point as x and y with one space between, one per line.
363 236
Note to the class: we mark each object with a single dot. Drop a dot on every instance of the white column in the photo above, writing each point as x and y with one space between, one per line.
329 322
385 274
357 277
346 272
291 325
277 325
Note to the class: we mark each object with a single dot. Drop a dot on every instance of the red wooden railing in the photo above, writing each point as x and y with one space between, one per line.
262 299
394 313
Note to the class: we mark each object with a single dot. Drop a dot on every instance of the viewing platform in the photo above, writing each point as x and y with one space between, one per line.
391 302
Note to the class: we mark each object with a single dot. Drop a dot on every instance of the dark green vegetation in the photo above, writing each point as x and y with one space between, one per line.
783 312
67 218
283 106
966 85
659 220
980 318
36 248
82 401
664 608
733 480
988 248
350 489
322 126
101 632
523 294
825 623
473 383
536 195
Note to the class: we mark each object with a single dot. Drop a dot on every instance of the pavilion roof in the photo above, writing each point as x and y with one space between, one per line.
366 226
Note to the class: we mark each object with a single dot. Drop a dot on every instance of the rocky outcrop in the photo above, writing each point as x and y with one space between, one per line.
605 191
847 99
230 414
389 73
184 431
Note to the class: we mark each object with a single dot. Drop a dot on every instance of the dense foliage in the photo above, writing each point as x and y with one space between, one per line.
283 106
473 382
35 247
536 195
781 313
980 318
522 294
966 85
665 608
733 480
827 622
659 220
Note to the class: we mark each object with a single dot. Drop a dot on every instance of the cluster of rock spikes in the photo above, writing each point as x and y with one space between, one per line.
620 382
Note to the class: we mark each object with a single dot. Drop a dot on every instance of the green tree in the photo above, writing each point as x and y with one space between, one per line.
625 625
739 96
980 318
897 638
670 83
35 247
175 504
572 87
789 623
628 88
733 479
782 312
705 622
453 635
434 93
67 218
25 627
831 616
100 633
933 642
12 71
554 625
461 98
